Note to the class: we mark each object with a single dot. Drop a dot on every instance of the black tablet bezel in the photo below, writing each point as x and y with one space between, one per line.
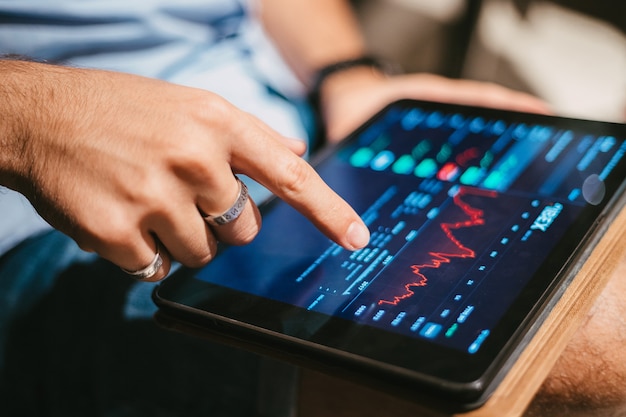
458 376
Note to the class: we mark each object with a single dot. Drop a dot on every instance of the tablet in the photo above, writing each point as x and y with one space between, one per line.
479 219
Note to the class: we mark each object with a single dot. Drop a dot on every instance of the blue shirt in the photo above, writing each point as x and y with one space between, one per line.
210 44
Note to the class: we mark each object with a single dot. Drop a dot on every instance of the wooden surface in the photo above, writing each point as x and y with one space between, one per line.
323 395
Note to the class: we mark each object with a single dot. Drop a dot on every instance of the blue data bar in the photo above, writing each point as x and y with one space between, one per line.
530 142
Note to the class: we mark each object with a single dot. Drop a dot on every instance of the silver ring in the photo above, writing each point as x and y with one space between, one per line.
149 271
234 211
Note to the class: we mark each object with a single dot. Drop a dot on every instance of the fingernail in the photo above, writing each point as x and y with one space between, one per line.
358 235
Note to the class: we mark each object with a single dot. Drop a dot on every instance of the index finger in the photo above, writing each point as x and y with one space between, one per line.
263 158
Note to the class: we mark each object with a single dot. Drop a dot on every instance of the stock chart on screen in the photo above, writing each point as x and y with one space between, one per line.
462 210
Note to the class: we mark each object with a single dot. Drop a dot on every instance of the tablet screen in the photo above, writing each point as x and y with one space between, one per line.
473 215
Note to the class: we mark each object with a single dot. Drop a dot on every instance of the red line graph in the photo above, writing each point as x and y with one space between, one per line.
474 218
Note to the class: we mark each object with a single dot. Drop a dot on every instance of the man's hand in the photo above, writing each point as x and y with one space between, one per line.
127 165
350 97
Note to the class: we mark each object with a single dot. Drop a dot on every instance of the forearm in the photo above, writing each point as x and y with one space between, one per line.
14 101
28 95
312 34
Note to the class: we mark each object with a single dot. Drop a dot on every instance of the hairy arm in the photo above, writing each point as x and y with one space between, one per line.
126 164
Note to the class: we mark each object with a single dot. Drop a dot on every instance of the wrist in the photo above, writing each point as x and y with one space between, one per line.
344 66
333 82
364 64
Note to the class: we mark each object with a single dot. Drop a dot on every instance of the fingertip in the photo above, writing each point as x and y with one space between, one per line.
536 105
357 235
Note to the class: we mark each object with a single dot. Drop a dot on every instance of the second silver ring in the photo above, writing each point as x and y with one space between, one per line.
234 211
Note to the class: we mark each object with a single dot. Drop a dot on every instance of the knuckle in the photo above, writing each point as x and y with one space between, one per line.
212 109
117 237
99 236
201 254
247 234
296 174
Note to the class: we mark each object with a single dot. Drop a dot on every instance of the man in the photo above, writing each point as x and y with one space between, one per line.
135 169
